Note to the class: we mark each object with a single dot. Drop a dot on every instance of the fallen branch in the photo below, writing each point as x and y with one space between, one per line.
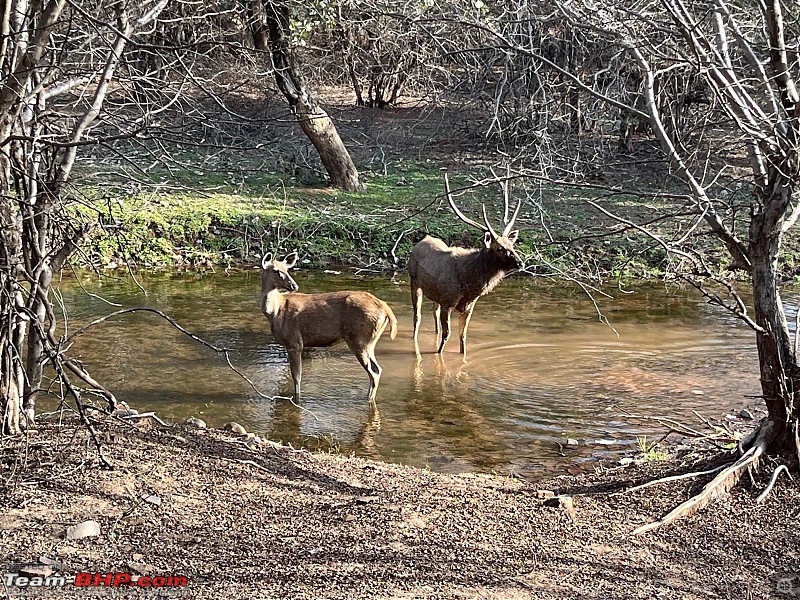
145 415
720 484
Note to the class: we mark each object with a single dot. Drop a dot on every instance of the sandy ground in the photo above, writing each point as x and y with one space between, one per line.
241 519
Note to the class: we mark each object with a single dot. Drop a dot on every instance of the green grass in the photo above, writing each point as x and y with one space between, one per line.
228 209
223 220
651 452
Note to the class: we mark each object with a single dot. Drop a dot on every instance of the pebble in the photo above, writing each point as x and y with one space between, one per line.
563 502
234 427
36 571
746 414
152 499
197 423
83 530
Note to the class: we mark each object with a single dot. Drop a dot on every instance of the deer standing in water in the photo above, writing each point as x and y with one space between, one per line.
454 277
319 320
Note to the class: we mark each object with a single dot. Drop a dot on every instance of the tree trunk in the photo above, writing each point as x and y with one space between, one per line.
313 120
12 324
777 359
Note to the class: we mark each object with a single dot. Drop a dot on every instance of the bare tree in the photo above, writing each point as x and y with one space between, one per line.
38 149
704 75
271 22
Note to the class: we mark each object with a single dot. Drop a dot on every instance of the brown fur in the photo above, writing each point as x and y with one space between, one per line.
454 278
318 320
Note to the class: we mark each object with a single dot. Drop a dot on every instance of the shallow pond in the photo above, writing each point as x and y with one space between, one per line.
541 369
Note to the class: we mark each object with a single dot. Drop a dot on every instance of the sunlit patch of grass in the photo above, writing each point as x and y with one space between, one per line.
651 451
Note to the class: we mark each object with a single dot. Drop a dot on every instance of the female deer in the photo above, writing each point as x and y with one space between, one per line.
319 320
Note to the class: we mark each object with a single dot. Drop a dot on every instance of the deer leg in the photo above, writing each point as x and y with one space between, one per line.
366 357
296 367
375 379
416 305
437 312
465 318
444 321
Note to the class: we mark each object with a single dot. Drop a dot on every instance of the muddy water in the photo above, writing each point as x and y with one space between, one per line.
541 369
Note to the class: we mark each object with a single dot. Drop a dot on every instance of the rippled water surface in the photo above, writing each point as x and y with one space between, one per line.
541 369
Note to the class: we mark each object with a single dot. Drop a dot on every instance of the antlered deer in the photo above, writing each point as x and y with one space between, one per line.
454 278
319 320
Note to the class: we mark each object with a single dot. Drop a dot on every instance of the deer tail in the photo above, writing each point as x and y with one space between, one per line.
391 319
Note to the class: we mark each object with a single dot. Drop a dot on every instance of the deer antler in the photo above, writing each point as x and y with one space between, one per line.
459 214
486 220
504 185
510 224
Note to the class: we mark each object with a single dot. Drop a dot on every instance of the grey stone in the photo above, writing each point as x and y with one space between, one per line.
36 570
234 427
83 530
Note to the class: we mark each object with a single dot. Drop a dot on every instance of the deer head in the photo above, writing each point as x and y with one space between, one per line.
501 246
275 276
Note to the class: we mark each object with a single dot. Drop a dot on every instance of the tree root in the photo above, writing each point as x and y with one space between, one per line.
722 483
671 478
763 495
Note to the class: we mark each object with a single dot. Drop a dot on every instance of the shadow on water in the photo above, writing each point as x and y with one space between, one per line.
541 369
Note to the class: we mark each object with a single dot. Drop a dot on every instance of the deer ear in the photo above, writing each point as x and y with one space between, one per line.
512 237
487 238
266 260
290 260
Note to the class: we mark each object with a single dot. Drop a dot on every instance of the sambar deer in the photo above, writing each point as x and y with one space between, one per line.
319 320
454 277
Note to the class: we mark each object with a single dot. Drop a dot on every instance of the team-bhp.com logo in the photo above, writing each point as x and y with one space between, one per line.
95 580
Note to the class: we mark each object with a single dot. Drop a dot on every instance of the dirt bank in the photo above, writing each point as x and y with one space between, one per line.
244 519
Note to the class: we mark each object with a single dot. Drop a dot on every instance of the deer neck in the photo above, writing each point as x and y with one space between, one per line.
489 274
272 303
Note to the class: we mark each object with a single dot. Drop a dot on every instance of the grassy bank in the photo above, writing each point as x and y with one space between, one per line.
203 216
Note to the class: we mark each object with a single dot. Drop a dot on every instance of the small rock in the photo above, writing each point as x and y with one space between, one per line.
138 557
124 412
152 499
698 392
83 530
141 568
563 502
572 442
234 427
36 571
56 564
626 461
746 414
196 423
366 499
545 494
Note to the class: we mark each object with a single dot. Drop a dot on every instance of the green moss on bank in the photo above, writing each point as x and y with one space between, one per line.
223 217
